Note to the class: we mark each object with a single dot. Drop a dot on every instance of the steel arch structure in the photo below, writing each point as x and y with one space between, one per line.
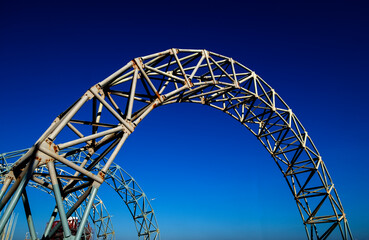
117 178
103 118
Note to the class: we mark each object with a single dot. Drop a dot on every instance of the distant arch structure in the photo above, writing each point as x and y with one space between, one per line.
99 216
117 178
103 118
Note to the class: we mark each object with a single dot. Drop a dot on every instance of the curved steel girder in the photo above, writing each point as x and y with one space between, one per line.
117 178
120 102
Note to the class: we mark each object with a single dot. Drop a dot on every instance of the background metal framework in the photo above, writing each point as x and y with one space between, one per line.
99 215
102 119
117 178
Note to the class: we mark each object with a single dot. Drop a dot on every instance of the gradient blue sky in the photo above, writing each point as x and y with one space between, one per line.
210 178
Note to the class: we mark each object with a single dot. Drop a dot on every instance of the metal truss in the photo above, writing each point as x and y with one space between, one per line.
102 119
99 215
123 183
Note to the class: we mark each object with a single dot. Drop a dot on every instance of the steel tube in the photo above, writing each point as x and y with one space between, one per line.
147 111
70 211
233 70
132 95
42 183
173 93
70 164
13 229
24 158
115 75
114 103
189 50
59 199
153 88
154 61
50 223
94 127
8 228
209 66
71 183
188 83
15 197
155 54
75 130
27 210
197 66
13 188
127 125
51 128
174 61
103 154
78 187
221 69
126 95
164 73
86 213
122 79
69 115
5 186
115 152
99 110
90 137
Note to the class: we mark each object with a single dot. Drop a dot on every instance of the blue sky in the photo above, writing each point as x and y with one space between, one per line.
210 178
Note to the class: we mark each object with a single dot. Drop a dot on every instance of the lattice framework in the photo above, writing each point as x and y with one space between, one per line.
123 183
103 118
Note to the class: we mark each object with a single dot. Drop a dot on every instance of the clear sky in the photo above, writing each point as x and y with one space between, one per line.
210 178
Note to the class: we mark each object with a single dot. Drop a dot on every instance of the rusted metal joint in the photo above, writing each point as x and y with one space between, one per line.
97 89
101 174
173 51
52 146
90 148
137 63
134 63
10 175
43 158
202 98
189 83
160 98
126 130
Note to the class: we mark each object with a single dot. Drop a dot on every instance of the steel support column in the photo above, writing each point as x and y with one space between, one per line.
83 222
27 210
59 200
